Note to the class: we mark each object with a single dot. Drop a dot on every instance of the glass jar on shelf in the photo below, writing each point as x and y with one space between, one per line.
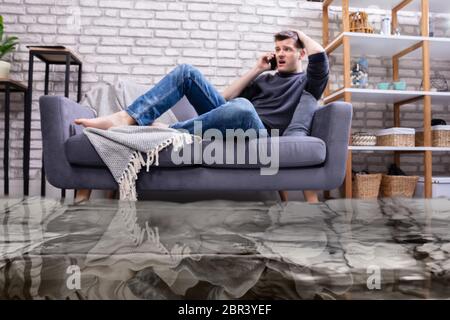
359 74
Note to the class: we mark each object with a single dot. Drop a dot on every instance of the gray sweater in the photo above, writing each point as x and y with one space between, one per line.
276 96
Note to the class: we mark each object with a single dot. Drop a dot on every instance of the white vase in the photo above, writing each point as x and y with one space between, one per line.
4 69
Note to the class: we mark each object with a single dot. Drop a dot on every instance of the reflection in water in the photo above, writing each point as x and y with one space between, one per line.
339 249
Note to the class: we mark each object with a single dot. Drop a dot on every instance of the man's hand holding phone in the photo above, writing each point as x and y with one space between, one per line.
267 62
273 63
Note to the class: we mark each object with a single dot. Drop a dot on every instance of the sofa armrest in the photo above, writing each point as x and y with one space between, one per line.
332 124
57 116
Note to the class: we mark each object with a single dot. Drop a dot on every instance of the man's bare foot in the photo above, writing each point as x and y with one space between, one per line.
117 119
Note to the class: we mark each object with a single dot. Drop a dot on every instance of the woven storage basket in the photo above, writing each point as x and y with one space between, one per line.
363 139
440 136
396 137
419 139
398 186
359 22
366 186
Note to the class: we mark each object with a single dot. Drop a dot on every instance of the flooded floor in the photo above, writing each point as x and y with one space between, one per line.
222 249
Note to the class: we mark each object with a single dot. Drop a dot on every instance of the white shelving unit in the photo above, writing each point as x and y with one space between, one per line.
423 47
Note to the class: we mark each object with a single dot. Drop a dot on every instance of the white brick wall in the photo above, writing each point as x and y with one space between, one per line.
144 40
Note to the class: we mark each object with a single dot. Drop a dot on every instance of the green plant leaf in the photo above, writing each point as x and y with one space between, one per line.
10 40
6 49
1 27
7 44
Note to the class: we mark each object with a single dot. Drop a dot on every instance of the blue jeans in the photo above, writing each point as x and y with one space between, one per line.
213 110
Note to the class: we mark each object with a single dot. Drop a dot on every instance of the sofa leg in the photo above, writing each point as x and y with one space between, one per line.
311 196
111 194
82 195
283 196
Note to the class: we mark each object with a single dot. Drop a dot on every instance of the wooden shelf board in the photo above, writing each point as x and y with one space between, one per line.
378 148
436 6
55 55
15 85
387 46
389 96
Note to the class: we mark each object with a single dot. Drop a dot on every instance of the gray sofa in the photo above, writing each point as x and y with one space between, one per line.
314 162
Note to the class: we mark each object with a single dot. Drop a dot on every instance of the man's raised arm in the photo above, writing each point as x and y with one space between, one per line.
240 84
318 66
311 45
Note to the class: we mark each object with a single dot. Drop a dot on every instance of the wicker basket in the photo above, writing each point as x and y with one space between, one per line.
363 139
440 136
366 186
396 137
419 139
398 186
359 22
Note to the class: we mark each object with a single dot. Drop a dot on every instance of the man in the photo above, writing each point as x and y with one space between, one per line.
285 100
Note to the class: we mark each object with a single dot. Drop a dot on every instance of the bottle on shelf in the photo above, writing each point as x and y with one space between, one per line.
386 25
431 26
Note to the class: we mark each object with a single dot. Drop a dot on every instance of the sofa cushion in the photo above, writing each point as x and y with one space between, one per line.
80 151
293 152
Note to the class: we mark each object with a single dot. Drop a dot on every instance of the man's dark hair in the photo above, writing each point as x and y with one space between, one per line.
288 34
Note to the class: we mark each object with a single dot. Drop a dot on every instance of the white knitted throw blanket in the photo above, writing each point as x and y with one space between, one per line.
105 99
121 147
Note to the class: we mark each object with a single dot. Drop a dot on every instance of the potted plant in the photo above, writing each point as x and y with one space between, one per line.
7 45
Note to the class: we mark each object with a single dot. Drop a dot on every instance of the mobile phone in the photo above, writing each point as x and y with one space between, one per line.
273 63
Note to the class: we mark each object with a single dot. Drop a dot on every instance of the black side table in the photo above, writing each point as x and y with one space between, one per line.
50 55
7 86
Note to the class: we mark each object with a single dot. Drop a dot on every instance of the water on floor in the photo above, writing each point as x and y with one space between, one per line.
222 249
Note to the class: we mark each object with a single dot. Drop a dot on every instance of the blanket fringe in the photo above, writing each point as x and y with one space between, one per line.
127 182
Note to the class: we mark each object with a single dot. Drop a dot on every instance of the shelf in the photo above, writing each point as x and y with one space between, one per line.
55 55
387 96
14 86
395 48
418 149
372 44
436 6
